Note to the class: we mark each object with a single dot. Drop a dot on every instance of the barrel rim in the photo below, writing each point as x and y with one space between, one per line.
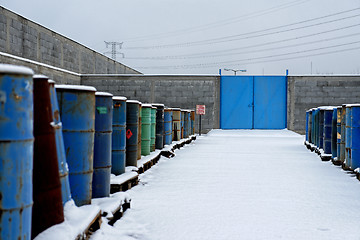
168 109
176 109
326 107
133 101
158 104
146 105
50 81
15 69
40 77
119 98
353 105
103 94
75 87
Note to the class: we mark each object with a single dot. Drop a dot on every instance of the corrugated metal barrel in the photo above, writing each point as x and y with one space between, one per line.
60 149
153 129
347 136
307 126
48 208
334 133
102 144
321 128
168 125
355 130
145 129
342 135
118 140
16 151
77 111
176 124
182 122
159 138
192 122
338 132
132 128
328 112
310 126
139 134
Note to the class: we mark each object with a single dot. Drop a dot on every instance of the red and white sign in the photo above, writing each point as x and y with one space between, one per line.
200 109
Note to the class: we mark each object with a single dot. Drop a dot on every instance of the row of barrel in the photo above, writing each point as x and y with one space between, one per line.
62 142
334 132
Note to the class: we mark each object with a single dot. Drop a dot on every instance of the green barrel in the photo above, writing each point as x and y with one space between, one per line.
139 134
152 129
146 129
176 124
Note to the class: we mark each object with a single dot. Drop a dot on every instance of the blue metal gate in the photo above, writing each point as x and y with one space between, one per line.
253 102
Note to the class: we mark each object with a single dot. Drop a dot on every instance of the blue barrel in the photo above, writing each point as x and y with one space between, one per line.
310 126
186 123
182 122
334 133
342 134
338 132
132 128
328 112
316 127
355 130
348 136
313 130
159 138
168 125
118 143
307 127
60 149
102 144
16 151
77 111
321 128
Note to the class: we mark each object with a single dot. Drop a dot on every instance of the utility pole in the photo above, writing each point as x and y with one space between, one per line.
113 48
235 70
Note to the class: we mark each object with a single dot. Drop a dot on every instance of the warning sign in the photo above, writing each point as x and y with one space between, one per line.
200 109
128 134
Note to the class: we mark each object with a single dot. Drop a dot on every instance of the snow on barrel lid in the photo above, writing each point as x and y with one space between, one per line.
103 94
40 77
147 105
158 104
133 101
353 105
119 98
50 81
75 87
176 109
326 108
13 69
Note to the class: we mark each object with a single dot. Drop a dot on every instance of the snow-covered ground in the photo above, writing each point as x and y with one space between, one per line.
241 184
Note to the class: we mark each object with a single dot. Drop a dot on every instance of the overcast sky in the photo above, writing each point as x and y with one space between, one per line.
202 36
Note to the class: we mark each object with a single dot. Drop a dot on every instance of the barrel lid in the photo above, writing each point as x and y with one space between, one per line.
353 105
75 87
50 81
176 109
40 76
119 98
133 101
103 94
168 109
146 105
13 69
326 108
158 104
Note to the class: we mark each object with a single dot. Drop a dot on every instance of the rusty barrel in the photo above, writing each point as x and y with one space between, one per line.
16 151
77 111
182 122
168 125
153 129
145 129
355 140
176 124
192 116
48 208
60 149
338 132
159 138
102 145
132 128
118 142
139 133
348 136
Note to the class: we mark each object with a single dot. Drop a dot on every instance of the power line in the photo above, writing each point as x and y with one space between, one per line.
252 51
218 23
238 37
257 58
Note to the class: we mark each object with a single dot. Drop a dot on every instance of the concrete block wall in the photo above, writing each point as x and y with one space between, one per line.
24 38
305 92
174 91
